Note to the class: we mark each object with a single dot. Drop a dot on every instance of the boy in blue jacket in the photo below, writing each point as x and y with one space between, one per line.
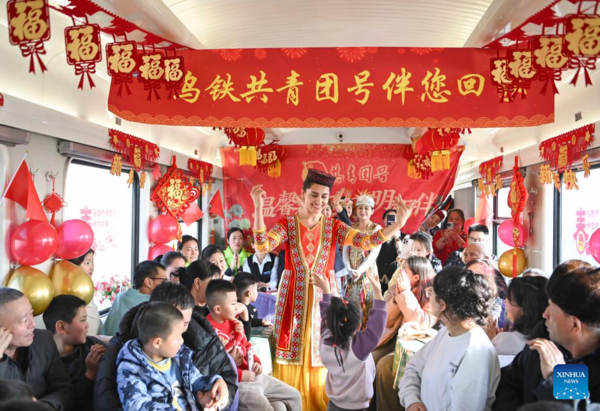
156 372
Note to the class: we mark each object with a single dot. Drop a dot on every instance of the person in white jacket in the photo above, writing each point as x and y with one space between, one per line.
459 369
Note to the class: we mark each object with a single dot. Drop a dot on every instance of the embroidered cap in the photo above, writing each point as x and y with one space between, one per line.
320 177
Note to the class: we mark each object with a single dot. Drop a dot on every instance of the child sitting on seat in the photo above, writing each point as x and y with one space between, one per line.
345 351
66 319
257 390
246 285
156 370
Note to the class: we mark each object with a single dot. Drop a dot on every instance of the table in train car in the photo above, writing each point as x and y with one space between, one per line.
265 305
260 339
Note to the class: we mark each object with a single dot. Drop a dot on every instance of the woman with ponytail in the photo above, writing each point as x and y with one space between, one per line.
459 368
345 350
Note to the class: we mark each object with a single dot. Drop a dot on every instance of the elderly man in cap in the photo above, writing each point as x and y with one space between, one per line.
573 322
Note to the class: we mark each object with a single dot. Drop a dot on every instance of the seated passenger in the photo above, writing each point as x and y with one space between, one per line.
195 277
156 370
235 254
572 320
15 390
147 275
30 355
257 390
86 263
526 301
214 254
66 319
172 261
207 352
459 368
478 234
264 267
498 284
247 293
423 247
189 247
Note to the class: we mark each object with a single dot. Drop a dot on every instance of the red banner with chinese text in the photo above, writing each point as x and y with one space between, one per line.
337 87
380 169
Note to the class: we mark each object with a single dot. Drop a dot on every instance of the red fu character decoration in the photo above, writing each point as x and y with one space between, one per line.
248 139
138 151
84 50
121 59
174 70
28 28
151 72
174 192
582 43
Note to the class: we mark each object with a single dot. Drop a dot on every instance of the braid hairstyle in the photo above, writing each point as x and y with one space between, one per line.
343 319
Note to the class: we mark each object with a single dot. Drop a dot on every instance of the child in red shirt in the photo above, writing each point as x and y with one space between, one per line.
257 390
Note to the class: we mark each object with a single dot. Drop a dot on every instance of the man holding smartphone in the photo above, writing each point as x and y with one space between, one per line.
390 250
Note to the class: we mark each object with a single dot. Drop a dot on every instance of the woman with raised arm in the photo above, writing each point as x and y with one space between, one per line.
310 240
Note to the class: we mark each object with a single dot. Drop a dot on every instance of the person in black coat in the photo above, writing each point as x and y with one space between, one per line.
572 320
208 353
30 355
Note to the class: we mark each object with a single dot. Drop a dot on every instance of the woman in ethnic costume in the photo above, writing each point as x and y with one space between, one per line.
361 262
310 240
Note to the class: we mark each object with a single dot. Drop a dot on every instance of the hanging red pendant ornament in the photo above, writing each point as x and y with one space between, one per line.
200 169
151 72
438 145
517 197
174 193
582 44
84 50
53 203
121 61
520 70
29 28
499 76
137 150
549 60
174 70
269 158
247 139
156 174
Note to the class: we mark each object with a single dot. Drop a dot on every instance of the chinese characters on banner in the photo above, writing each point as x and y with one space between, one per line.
331 87
380 169
138 151
561 151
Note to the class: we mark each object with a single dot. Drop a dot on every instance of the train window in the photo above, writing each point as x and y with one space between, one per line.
580 217
106 203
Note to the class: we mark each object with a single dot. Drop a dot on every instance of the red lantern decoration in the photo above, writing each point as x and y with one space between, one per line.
174 192
247 139
28 28
151 72
121 61
84 50
269 158
200 169
438 144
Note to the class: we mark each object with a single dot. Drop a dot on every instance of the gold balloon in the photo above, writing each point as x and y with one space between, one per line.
72 280
505 262
36 286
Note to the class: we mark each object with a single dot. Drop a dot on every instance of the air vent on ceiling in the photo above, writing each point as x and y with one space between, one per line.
14 136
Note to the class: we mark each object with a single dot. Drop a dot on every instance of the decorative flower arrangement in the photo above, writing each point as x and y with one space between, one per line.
108 290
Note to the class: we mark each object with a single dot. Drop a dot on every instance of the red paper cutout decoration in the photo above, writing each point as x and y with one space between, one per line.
549 60
139 151
517 197
490 181
582 43
174 192
151 72
28 28
200 170
499 77
84 50
269 158
121 61
174 70
248 139
53 203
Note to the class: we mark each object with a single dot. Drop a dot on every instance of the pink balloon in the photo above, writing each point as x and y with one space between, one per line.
75 238
33 242
163 229
468 223
157 250
505 232
594 245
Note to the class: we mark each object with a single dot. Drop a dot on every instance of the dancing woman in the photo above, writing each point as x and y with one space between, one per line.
310 240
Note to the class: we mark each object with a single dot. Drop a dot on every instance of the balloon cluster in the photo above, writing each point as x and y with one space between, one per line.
34 242
163 229
507 231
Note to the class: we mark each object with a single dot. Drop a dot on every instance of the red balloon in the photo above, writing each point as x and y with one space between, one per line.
75 238
468 223
505 232
33 242
163 229
158 250
594 245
